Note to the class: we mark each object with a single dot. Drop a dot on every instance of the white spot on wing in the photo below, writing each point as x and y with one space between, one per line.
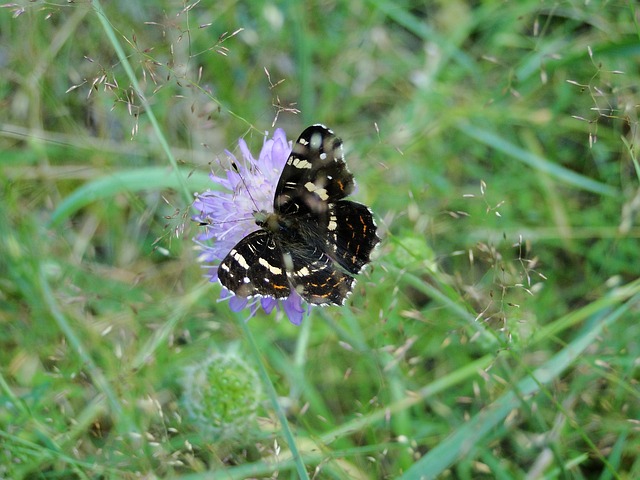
318 190
240 259
268 266
302 164
333 220
303 272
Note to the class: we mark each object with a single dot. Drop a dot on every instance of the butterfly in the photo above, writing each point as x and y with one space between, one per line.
314 241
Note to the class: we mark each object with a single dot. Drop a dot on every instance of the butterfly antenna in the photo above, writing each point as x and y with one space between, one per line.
207 221
246 187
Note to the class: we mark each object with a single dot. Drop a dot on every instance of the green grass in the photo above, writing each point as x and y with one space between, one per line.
495 336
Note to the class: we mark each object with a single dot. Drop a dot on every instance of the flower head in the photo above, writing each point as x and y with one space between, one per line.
221 395
228 216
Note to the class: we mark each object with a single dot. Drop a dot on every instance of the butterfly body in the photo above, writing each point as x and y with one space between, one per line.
314 242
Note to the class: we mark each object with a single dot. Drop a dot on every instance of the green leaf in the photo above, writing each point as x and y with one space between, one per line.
537 162
154 178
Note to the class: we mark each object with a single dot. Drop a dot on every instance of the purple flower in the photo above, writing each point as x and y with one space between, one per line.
228 216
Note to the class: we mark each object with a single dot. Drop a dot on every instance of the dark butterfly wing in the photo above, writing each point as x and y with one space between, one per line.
315 278
351 235
258 265
255 267
314 176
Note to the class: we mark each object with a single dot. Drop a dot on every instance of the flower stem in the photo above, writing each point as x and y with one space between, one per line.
273 397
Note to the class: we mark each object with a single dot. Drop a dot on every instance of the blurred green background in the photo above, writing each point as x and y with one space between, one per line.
495 336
